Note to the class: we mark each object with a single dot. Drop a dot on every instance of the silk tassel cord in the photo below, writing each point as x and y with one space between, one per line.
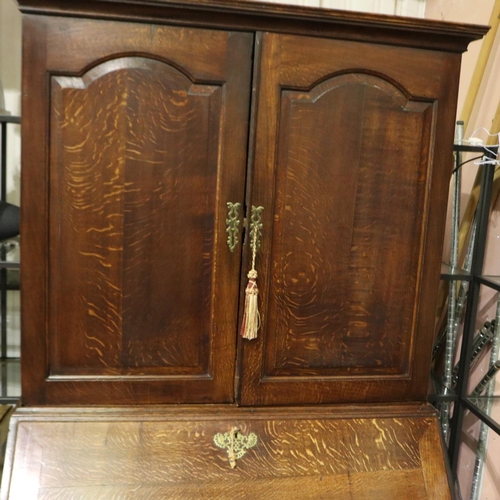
251 316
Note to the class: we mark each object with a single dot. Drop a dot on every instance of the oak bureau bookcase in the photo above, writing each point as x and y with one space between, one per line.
157 134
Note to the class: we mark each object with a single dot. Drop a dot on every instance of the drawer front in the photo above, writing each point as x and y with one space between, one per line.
278 456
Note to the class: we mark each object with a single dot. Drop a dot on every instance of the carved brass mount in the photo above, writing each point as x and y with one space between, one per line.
256 225
232 224
235 443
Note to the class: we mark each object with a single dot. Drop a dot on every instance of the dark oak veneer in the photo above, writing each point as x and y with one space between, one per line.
345 161
141 281
141 121
171 454
147 142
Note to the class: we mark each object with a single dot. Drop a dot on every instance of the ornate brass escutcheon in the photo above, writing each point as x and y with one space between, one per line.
232 223
256 225
235 443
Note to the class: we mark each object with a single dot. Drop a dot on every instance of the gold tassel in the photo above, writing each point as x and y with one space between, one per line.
251 317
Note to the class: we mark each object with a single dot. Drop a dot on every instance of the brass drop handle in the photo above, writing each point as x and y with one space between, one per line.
251 317
235 443
256 227
232 225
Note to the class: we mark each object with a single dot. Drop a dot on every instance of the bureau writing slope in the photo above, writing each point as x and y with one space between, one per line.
157 134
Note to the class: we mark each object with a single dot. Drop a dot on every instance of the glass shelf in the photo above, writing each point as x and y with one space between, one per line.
9 265
10 119
478 465
436 392
490 281
10 369
473 149
454 273
486 409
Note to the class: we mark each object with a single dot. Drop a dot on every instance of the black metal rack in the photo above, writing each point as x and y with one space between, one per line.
459 396
6 362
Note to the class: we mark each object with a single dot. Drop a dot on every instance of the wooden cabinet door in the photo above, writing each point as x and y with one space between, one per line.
352 172
146 129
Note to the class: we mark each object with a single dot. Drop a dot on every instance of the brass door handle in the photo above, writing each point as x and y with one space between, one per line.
256 227
232 225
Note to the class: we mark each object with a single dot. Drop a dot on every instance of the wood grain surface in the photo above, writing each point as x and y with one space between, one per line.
302 458
139 138
141 120
147 145
345 208
349 152
255 15
132 285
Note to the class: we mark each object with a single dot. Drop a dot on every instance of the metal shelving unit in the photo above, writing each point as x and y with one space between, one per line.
455 398
8 365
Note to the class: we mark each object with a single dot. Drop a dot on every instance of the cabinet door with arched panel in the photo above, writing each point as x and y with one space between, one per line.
147 132
345 169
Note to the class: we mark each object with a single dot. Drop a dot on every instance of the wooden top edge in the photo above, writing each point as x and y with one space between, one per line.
323 14
268 10
211 412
